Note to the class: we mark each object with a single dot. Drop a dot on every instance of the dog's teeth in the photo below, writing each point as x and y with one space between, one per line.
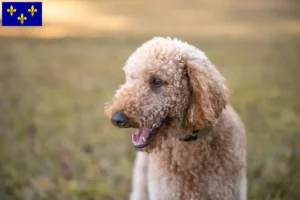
143 139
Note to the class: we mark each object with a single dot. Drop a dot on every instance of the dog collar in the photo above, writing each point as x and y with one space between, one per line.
197 134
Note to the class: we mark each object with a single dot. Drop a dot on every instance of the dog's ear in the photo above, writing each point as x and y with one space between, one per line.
208 93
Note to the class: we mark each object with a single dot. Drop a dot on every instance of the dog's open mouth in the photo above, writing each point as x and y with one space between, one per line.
144 136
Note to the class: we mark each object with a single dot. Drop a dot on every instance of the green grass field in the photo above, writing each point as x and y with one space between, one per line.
56 142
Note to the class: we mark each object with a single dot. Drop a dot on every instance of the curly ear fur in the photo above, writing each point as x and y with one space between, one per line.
209 94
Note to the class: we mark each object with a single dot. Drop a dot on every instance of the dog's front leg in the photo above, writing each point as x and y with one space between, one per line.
140 177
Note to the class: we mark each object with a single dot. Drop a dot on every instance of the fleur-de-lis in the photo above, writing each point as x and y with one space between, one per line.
32 10
11 10
22 18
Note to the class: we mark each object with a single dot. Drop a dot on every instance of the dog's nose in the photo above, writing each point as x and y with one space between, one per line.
119 119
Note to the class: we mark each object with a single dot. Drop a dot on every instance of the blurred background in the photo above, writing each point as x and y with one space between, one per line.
56 143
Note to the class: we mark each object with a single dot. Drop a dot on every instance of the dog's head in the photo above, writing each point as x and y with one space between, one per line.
171 89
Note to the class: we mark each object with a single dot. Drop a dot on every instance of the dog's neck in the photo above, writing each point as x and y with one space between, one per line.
197 134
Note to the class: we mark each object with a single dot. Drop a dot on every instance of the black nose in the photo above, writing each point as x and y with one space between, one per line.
119 119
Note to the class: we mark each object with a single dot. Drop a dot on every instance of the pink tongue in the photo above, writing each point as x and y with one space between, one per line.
139 134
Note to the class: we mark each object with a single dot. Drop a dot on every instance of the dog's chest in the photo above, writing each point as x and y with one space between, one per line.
186 176
162 186
169 178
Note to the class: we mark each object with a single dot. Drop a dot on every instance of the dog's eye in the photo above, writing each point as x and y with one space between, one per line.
156 82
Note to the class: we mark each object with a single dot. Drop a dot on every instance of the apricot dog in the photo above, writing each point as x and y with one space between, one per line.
191 143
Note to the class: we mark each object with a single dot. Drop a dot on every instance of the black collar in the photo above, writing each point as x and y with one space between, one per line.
197 134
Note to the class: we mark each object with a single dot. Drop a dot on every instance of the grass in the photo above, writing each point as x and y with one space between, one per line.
56 143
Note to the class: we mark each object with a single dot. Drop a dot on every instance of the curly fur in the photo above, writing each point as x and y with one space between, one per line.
194 96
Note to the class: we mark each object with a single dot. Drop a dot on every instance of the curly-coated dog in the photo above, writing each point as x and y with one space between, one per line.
191 142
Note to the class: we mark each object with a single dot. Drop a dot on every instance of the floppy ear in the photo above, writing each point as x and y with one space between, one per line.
209 94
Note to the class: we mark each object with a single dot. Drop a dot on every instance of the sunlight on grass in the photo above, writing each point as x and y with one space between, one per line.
197 18
62 18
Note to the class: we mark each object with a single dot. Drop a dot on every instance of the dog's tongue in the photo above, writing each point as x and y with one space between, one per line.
137 138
